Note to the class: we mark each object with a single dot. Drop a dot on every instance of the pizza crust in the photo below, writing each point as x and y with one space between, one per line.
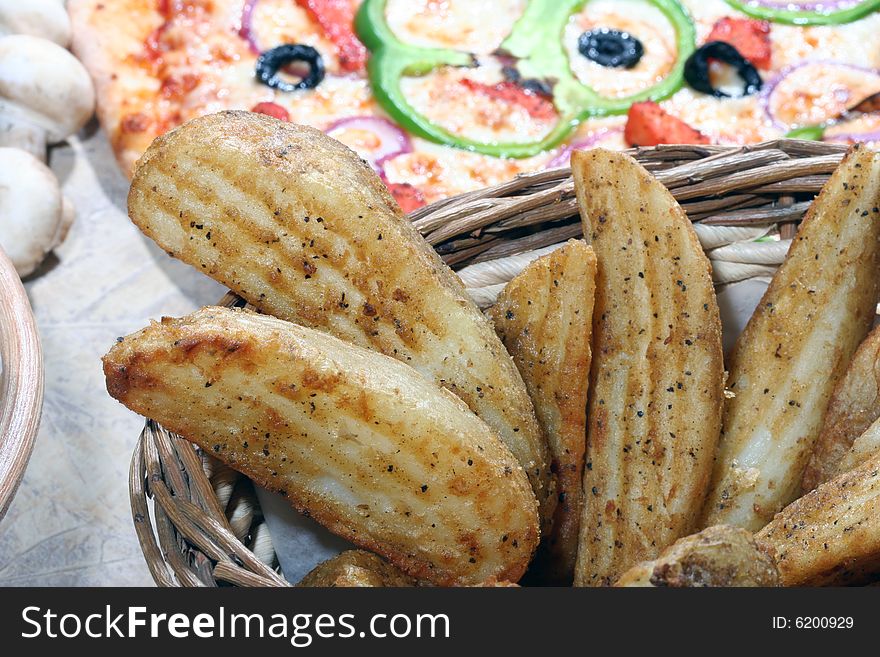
105 36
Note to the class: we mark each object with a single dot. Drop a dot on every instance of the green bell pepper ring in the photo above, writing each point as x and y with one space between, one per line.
803 17
807 132
536 42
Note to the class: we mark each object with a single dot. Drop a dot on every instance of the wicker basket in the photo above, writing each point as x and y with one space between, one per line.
21 382
205 527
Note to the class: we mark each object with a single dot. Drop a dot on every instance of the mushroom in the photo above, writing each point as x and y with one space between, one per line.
41 18
45 94
34 216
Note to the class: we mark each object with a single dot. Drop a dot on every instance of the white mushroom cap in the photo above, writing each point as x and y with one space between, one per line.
45 93
32 209
41 18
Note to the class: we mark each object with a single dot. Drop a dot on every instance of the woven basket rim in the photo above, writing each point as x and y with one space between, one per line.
21 382
185 534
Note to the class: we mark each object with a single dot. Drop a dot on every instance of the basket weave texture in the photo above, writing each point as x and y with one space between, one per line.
204 526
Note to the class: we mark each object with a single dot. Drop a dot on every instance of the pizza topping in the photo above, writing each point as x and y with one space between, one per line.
246 26
336 19
536 104
408 197
373 138
858 123
134 123
815 93
697 70
271 63
648 124
750 37
810 12
611 48
533 44
271 109
177 86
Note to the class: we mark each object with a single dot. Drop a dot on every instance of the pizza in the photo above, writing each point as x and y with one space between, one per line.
446 96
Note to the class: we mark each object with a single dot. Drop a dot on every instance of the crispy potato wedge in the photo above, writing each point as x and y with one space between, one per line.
854 406
657 377
717 556
863 448
356 568
297 224
544 317
362 443
796 346
831 535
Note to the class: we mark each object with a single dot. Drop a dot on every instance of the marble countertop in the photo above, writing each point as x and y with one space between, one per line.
70 523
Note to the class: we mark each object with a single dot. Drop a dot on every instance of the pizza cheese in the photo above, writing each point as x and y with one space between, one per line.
447 96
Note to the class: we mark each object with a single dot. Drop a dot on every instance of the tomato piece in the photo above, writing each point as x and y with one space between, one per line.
336 20
177 86
648 124
536 105
271 109
750 37
408 197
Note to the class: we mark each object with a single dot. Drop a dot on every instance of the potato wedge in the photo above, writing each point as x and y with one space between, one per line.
863 448
831 535
796 346
656 383
297 224
854 406
356 569
717 556
362 443
544 317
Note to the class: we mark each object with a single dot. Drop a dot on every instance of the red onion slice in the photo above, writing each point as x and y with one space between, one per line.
392 140
765 98
246 28
562 158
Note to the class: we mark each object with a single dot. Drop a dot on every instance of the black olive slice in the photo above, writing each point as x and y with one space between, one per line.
612 48
272 61
536 86
696 69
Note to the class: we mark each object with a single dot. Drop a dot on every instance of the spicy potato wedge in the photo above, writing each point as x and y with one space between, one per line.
544 317
854 406
717 556
863 448
831 535
298 225
362 443
356 569
657 377
796 346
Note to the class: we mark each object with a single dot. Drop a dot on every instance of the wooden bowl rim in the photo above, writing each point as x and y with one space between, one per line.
21 381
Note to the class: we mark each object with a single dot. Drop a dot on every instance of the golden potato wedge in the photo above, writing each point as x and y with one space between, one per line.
657 377
717 556
301 227
356 568
854 406
362 443
796 346
544 317
863 448
831 535
495 584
